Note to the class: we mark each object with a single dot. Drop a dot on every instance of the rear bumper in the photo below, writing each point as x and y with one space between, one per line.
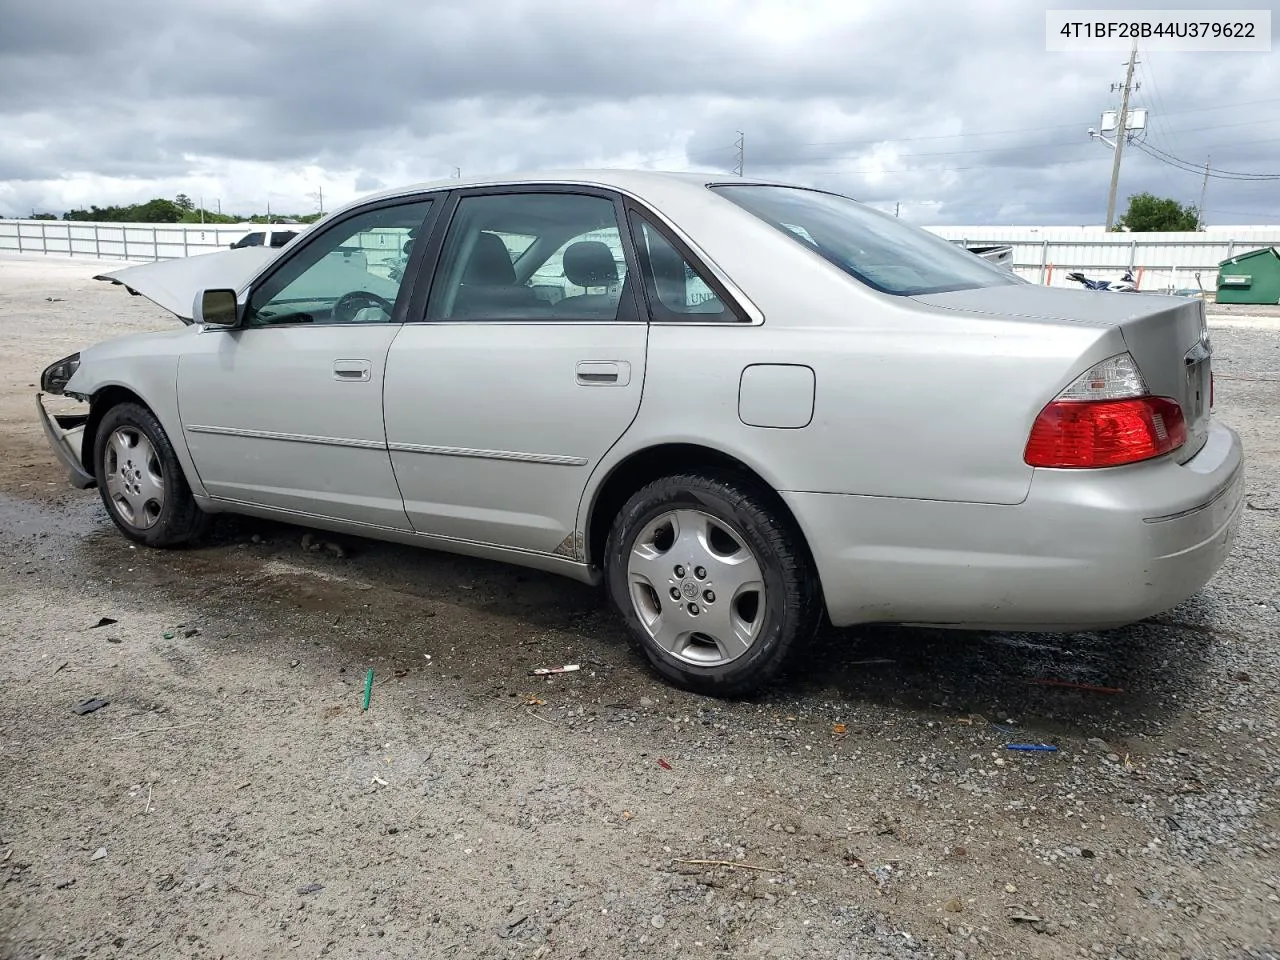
1085 550
66 437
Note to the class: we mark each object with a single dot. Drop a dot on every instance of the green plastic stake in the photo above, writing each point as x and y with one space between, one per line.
368 688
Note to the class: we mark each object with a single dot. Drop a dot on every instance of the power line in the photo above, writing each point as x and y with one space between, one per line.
1196 168
986 167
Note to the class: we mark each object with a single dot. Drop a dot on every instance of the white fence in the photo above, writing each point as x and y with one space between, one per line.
119 241
1166 261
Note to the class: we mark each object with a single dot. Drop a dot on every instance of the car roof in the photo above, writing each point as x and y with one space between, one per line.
641 183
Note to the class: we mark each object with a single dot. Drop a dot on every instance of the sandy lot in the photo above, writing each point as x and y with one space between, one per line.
233 800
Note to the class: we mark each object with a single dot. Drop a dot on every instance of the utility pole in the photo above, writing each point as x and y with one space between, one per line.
202 208
897 208
1121 133
457 173
741 143
1204 189
321 195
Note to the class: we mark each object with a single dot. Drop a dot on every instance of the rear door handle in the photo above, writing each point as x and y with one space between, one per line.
604 373
354 371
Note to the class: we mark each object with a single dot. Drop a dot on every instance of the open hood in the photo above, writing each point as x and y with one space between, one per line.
173 284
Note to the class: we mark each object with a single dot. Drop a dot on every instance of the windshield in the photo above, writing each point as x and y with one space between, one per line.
880 250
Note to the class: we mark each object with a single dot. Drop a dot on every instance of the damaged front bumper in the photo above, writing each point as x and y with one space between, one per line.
66 436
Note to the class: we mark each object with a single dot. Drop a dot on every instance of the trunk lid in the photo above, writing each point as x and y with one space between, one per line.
1168 337
173 284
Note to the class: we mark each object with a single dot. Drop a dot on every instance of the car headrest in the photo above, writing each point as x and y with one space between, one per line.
589 263
490 262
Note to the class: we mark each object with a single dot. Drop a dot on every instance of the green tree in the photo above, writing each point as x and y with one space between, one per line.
43 216
183 202
1148 213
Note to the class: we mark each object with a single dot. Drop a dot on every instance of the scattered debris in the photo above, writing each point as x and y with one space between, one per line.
294 663
99 854
510 929
309 888
114 640
191 632
1036 747
726 863
531 701
313 544
379 781
871 661
954 905
544 671
663 764
1255 506
168 635
89 706
1021 915
1092 688
61 667
147 808
104 622
839 730
368 689
55 300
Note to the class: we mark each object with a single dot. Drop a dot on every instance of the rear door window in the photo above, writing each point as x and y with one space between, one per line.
532 256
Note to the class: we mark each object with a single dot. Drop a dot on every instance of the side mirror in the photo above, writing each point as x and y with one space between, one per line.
216 308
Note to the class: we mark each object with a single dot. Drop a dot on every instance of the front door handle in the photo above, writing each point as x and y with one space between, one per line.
604 373
354 371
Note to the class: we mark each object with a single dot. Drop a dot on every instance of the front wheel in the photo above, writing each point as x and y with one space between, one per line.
141 480
713 580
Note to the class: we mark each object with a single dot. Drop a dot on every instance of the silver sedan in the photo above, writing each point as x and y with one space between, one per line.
742 406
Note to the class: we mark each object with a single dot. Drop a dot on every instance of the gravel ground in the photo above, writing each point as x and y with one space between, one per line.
233 800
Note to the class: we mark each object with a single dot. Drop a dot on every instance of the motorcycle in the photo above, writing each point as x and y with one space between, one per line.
1125 284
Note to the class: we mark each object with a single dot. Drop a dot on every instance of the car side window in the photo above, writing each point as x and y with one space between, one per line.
350 273
280 237
677 289
252 240
532 256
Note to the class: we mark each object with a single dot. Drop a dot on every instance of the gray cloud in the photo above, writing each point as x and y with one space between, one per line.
954 110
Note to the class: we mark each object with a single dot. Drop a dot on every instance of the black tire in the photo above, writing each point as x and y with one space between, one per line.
179 520
793 602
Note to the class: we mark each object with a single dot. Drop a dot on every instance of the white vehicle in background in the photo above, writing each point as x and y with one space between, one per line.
273 235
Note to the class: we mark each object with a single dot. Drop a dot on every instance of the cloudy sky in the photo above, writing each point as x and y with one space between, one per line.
951 108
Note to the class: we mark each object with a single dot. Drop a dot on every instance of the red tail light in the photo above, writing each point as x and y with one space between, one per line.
1105 433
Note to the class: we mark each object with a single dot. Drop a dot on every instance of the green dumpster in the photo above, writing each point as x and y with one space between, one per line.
1252 277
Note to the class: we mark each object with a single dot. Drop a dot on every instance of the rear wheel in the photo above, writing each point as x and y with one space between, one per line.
713 580
141 480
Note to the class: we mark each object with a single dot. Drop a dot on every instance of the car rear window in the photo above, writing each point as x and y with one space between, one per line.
873 247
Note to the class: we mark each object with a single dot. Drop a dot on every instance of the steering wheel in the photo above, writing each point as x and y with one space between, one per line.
349 304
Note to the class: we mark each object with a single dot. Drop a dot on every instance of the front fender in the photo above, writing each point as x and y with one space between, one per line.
142 368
